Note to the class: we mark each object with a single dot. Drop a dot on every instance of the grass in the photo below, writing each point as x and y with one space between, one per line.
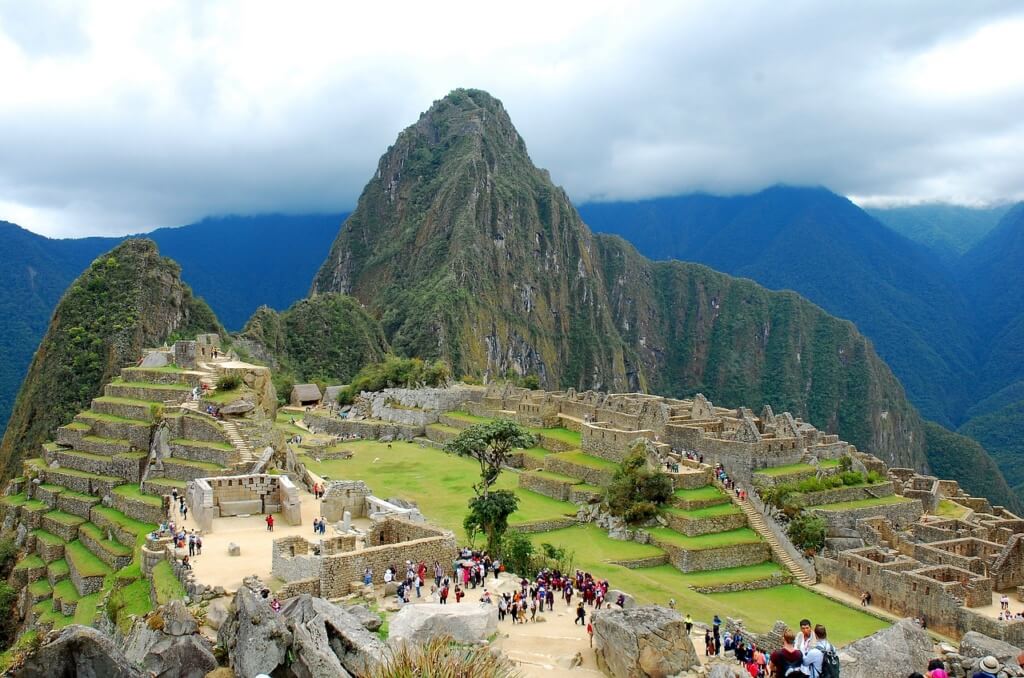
165 584
85 561
558 477
862 503
85 611
135 494
203 443
8 656
202 465
64 518
763 606
790 469
30 562
951 509
136 527
99 536
705 493
58 569
35 505
128 600
40 588
226 397
158 387
65 590
560 434
102 439
167 482
743 535
707 512
590 541
440 483
117 400
166 369
56 619
584 459
80 496
84 474
112 419
14 499
47 538
76 426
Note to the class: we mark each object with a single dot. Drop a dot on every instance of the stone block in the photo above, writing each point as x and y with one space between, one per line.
234 549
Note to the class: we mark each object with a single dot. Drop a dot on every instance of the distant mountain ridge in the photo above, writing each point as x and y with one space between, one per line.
236 263
948 230
465 250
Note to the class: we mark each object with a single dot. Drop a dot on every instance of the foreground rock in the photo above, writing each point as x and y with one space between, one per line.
891 653
371 621
976 646
77 652
642 642
255 636
167 644
326 635
419 624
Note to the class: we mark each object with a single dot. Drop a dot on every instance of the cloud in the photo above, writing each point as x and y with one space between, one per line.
120 117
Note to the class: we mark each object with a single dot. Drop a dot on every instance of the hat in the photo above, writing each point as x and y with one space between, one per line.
990 664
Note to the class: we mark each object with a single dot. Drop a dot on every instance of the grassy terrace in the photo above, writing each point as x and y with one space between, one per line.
225 397
85 474
561 434
64 518
150 385
797 468
58 569
862 503
707 512
438 482
47 538
40 588
110 418
584 459
30 562
65 590
744 535
705 493
134 493
951 509
166 369
115 400
136 527
108 545
204 465
14 499
203 443
592 540
560 477
85 561
76 426
165 584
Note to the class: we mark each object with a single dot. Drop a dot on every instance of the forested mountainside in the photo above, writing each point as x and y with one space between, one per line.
950 327
235 263
947 230
126 300
465 250
324 338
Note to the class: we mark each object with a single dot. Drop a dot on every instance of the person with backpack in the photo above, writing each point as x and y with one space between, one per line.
821 660
787 661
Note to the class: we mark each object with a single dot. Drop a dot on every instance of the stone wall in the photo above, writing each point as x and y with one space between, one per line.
610 443
848 493
139 510
293 560
549 487
737 555
344 495
693 527
195 427
691 478
536 526
220 496
902 514
588 474
366 428
197 451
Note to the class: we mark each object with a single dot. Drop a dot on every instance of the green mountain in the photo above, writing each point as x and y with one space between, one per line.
948 230
126 300
465 250
325 338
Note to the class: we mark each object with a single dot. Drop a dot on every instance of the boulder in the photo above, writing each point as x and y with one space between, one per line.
167 644
77 652
238 407
156 359
723 670
234 549
313 654
217 612
642 642
613 597
329 626
418 624
887 653
255 637
976 645
370 620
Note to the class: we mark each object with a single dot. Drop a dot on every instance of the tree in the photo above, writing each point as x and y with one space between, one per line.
636 490
807 531
490 445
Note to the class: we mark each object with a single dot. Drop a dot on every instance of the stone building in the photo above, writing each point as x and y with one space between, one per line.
223 496
305 395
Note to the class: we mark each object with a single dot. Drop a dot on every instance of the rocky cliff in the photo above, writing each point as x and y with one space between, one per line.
465 250
127 299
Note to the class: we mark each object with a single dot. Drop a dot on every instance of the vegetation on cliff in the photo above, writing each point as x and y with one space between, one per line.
128 299
467 252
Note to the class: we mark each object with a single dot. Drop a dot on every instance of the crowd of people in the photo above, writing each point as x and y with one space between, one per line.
807 653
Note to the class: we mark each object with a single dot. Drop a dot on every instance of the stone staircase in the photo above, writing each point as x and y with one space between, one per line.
756 520
246 454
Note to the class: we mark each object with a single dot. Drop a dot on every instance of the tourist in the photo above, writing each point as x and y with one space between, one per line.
185 564
688 623
192 544
988 668
174 495
821 656
621 600
486 598
709 644
275 604
804 639
437 574
458 593
581 614
786 661
533 609
316 525
936 669
502 606
389 576
444 594
270 522
184 511
199 545
671 603
1004 602
419 584
590 633
367 577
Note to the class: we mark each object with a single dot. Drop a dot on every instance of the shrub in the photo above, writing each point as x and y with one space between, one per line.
441 658
517 554
807 531
395 372
846 463
228 382
636 491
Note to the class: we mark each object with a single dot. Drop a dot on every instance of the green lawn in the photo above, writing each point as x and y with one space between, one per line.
791 603
789 469
701 494
160 387
863 503
14 499
166 369
203 443
584 459
559 477
590 543
40 587
136 527
29 562
85 611
116 400
202 465
744 535
133 492
560 434
47 538
85 561
64 518
165 584
65 590
113 419
57 569
707 512
951 509
440 483
98 535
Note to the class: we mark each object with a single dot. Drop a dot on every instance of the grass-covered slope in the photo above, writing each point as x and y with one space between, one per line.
126 300
466 251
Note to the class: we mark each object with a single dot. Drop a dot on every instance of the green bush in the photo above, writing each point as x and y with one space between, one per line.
517 554
395 372
636 491
807 531
228 382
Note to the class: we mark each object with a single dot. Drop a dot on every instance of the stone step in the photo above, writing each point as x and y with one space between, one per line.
127 466
105 446
65 598
49 546
144 410
161 393
85 570
220 453
99 542
162 376
62 524
130 501
57 571
76 503
162 486
81 481
135 431
124 529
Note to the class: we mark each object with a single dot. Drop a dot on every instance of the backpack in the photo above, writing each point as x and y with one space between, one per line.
829 661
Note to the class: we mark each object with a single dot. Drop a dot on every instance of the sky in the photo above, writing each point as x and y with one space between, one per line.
120 117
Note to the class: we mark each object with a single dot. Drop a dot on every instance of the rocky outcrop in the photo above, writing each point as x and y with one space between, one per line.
419 624
167 644
320 628
371 621
642 642
974 647
78 652
890 653
255 636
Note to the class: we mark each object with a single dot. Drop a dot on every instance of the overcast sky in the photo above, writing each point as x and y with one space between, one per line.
122 117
